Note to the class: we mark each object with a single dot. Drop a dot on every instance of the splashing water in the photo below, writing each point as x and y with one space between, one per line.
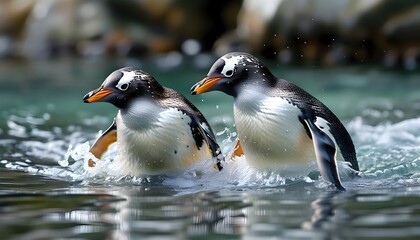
387 152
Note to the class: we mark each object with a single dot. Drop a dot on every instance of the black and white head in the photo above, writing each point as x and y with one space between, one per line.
124 85
233 71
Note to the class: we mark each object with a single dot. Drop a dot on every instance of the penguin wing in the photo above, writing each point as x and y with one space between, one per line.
201 131
325 152
102 144
314 107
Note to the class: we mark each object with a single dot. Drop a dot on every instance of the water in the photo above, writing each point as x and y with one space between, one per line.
46 190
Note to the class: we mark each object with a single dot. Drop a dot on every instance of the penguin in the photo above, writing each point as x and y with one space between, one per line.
277 122
157 130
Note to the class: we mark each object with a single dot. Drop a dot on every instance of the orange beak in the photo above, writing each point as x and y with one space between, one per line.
204 85
96 95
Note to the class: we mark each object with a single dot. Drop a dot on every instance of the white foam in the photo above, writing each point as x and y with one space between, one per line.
387 153
406 132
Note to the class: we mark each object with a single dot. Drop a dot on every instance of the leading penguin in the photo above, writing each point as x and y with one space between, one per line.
157 129
277 122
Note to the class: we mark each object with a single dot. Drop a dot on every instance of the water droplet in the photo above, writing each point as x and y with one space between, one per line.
46 116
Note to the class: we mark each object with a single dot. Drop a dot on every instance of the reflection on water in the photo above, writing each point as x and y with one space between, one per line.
46 191
323 212
153 212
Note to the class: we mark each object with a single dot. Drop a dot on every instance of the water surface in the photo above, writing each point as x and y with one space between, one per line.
47 192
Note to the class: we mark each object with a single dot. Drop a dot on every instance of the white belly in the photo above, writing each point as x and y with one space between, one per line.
271 134
165 146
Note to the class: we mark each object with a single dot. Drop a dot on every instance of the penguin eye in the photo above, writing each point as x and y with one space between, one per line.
228 69
123 87
229 73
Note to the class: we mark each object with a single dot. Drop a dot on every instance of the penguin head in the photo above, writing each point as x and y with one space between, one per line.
124 85
233 71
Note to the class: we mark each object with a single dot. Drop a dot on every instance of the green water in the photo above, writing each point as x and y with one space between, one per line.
42 115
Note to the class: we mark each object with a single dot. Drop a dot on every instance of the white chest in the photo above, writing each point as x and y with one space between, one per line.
270 132
166 143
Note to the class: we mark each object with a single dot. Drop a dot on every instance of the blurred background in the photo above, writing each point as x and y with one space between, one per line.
320 33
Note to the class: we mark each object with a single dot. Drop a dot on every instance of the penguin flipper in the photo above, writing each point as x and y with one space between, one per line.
209 138
237 150
102 144
325 151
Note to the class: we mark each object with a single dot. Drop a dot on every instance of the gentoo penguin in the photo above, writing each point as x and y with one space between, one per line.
157 129
277 122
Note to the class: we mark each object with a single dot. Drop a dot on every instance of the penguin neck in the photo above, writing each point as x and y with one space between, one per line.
258 83
140 114
249 98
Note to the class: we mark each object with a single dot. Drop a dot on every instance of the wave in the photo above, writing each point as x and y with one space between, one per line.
387 153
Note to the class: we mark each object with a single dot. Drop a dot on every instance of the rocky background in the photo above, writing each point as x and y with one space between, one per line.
316 32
